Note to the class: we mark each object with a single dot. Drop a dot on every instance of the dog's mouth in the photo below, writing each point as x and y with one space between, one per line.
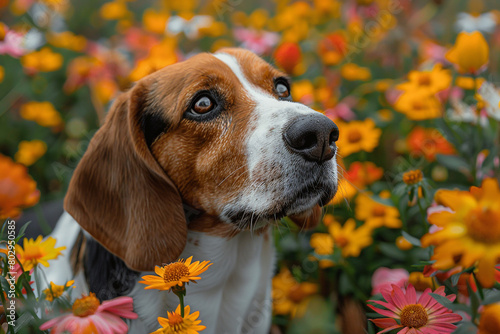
298 205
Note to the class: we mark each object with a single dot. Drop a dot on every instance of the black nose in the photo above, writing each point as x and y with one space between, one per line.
313 137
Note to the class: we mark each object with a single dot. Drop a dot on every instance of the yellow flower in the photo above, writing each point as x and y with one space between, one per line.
429 82
56 291
322 243
154 21
43 113
376 214
289 296
349 239
469 83
489 323
420 282
36 252
175 274
303 91
2 73
358 136
18 188
44 60
413 177
469 232
30 151
105 90
67 40
114 10
176 324
160 55
419 105
403 244
353 72
470 54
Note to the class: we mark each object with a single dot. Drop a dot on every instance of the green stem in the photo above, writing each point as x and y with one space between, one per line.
181 301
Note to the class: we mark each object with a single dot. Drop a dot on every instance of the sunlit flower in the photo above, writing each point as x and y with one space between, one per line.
303 91
17 188
43 113
175 274
429 82
39 251
67 40
419 105
424 315
56 291
470 54
469 234
413 177
428 143
159 56
376 214
353 72
333 48
491 96
485 22
90 316
489 323
44 60
468 82
358 136
154 21
289 296
322 243
383 278
403 244
114 10
105 90
30 151
176 323
349 239
288 56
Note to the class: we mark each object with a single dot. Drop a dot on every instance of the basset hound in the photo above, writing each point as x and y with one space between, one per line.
198 159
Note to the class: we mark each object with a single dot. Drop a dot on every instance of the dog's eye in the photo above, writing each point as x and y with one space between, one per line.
282 89
203 105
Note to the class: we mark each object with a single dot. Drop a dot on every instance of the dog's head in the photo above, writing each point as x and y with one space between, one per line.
218 133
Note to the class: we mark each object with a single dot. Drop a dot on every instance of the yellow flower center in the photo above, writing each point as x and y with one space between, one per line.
413 316
86 306
175 271
296 294
354 136
418 105
341 241
482 225
378 211
175 320
413 177
424 79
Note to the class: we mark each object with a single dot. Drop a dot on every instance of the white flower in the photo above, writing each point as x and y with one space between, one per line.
485 22
177 24
491 96
462 112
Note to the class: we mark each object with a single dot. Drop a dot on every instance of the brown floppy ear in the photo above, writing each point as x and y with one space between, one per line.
308 221
119 193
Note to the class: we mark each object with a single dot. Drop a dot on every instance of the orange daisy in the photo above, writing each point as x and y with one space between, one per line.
176 273
176 323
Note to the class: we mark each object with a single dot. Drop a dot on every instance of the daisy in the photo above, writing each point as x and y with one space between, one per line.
36 252
358 136
376 214
349 239
491 96
178 324
90 316
175 274
485 22
422 316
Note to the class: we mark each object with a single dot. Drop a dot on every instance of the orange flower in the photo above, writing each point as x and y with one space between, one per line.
358 176
490 319
358 136
288 56
470 54
67 40
2 73
376 214
30 151
178 324
428 142
17 188
353 72
43 113
44 60
154 21
332 48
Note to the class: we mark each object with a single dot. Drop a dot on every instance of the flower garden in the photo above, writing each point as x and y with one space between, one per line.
411 242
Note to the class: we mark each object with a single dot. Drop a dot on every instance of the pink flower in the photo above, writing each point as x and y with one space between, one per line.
90 316
260 42
425 316
383 278
12 44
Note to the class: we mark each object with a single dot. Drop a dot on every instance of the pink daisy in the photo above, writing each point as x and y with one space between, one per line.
90 316
425 316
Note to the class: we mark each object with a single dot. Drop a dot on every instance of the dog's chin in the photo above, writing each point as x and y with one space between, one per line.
304 209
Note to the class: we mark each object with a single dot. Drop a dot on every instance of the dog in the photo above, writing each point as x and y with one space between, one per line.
198 159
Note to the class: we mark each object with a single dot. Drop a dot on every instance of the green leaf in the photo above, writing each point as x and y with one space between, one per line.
23 322
455 278
22 230
492 296
453 162
412 240
442 300
466 328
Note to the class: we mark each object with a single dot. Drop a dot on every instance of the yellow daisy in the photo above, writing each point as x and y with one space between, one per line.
289 296
177 324
469 232
376 214
489 323
349 238
428 82
358 136
419 105
36 252
56 291
176 273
